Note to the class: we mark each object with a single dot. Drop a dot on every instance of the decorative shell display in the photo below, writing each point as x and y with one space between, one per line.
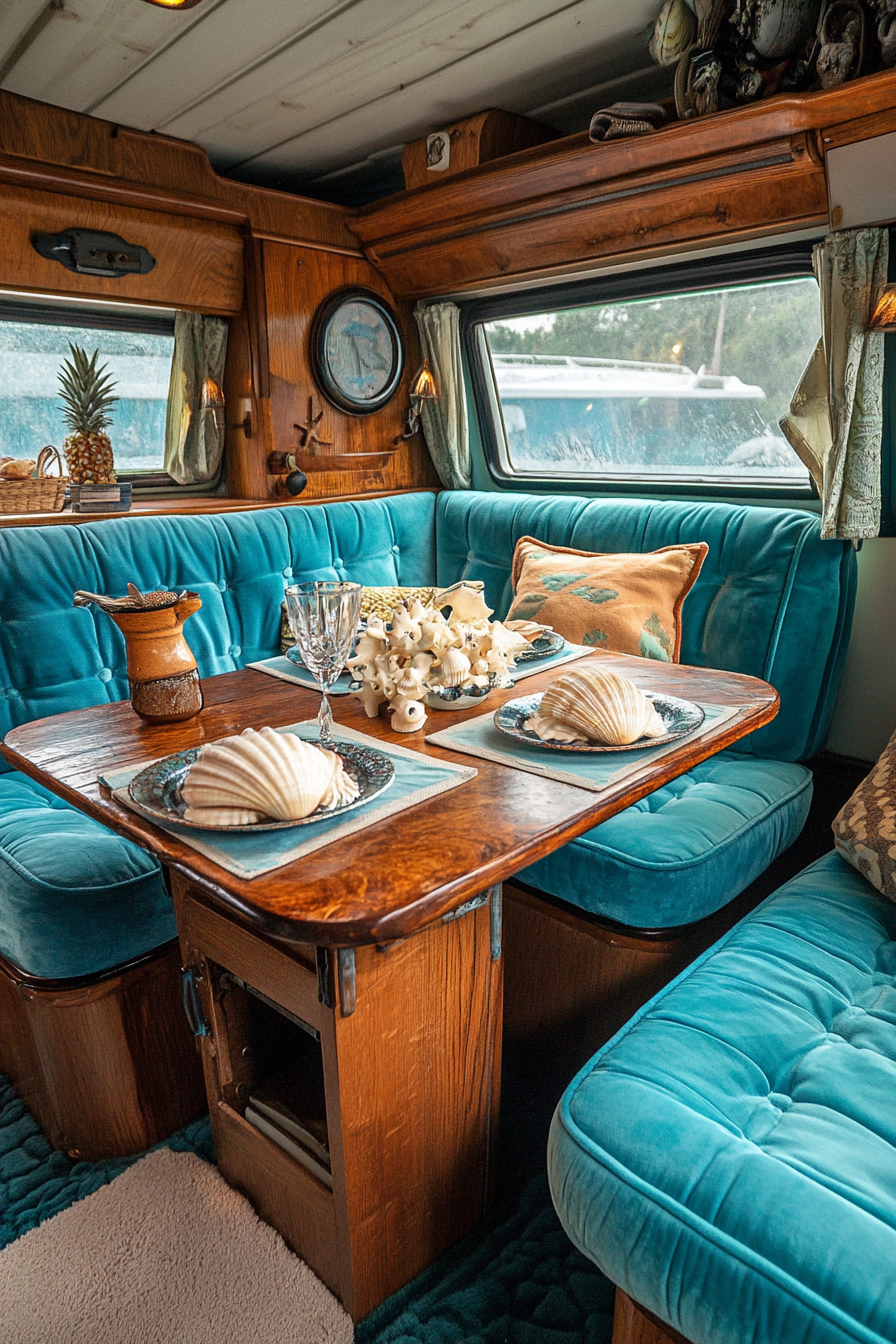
595 705
260 774
673 32
425 653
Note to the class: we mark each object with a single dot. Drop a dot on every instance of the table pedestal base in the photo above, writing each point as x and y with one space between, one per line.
411 1076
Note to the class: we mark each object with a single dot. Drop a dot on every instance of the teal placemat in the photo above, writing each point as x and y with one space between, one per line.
480 737
285 670
417 778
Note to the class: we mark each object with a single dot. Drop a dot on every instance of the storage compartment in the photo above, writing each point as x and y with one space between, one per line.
272 1072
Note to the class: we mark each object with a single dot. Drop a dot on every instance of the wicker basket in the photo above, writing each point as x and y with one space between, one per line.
38 493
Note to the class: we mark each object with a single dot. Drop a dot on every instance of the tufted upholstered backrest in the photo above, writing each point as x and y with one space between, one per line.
55 657
772 600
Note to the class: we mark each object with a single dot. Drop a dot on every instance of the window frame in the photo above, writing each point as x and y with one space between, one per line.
784 262
63 312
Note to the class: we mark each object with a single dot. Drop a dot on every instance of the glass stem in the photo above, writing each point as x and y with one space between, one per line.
325 720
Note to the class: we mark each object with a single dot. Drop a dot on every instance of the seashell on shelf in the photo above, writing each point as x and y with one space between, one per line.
673 32
274 774
601 705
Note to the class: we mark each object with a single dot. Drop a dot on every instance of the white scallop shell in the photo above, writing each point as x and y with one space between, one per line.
604 706
222 816
454 668
530 630
275 774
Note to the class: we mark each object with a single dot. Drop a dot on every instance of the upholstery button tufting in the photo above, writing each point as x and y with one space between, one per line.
222 586
235 650
396 549
337 563
105 674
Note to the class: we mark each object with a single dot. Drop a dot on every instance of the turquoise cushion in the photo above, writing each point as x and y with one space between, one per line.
772 599
728 1158
75 899
55 657
684 850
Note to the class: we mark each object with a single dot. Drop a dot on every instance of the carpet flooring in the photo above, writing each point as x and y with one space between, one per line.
166 1252
516 1280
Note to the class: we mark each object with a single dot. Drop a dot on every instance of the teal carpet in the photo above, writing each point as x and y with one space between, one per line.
516 1280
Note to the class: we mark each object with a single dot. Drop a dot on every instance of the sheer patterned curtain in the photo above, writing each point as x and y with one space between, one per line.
836 415
194 438
445 419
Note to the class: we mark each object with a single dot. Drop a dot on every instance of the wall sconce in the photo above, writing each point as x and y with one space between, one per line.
213 400
884 316
423 388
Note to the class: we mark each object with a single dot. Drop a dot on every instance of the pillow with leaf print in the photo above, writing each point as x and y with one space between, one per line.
626 603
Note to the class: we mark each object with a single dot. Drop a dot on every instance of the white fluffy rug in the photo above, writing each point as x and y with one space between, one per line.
166 1253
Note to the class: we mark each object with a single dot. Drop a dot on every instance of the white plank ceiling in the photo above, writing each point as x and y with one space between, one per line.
287 92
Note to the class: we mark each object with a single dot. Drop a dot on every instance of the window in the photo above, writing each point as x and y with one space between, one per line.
683 383
34 339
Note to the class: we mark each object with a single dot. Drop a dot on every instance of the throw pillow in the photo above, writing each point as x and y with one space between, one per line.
865 827
628 603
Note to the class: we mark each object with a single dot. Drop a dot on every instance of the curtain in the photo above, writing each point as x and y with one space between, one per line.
836 415
194 438
445 424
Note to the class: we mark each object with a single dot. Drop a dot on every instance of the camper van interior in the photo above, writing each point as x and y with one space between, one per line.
447 647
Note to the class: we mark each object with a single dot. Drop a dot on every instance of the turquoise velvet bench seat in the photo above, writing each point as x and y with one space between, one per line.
772 600
729 1158
77 900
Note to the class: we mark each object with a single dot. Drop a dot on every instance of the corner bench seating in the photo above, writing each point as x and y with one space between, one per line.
729 1158
772 600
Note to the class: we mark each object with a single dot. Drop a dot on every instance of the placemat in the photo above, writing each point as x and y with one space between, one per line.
480 737
285 670
417 778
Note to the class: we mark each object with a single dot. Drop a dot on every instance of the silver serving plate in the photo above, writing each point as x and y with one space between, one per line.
155 792
680 717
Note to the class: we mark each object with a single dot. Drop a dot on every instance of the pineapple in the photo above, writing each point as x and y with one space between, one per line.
86 392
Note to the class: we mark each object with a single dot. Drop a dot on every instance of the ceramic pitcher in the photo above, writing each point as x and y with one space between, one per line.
162 672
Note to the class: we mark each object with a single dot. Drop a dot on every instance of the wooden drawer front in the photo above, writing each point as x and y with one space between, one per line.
289 980
199 264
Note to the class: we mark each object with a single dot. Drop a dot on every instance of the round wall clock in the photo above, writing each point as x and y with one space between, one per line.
357 353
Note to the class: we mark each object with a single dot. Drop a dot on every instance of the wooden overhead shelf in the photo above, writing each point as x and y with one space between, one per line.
557 207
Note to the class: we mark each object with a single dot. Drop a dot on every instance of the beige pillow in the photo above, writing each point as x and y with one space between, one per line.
865 827
626 603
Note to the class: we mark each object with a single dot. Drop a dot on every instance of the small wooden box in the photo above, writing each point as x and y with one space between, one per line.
466 144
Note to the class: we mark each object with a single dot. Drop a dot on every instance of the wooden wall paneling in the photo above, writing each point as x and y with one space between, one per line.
197 266
34 130
297 279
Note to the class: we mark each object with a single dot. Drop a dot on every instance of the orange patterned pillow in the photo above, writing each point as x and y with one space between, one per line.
629 603
865 827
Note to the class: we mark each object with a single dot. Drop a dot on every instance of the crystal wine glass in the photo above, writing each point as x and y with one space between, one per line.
324 618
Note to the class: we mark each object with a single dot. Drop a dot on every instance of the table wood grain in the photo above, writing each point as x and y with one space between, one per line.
398 875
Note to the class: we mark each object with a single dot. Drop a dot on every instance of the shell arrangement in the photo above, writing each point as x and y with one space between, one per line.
423 651
260 774
595 705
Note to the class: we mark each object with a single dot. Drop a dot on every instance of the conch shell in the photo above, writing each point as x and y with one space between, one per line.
673 32
530 630
600 706
266 773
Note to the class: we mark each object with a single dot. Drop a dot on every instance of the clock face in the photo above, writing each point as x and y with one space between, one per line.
356 351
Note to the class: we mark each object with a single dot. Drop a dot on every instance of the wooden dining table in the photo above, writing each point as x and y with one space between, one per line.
383 949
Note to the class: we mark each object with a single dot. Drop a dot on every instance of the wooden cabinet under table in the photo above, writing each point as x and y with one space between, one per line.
410 1039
